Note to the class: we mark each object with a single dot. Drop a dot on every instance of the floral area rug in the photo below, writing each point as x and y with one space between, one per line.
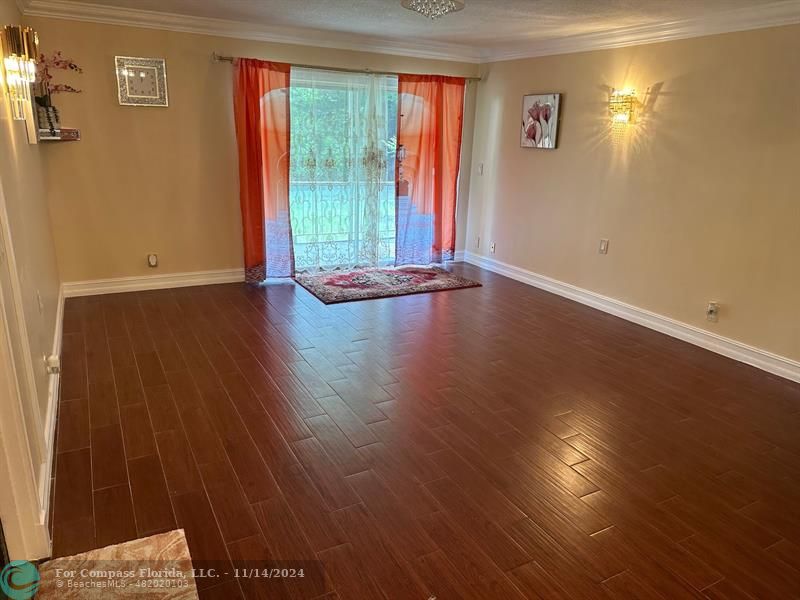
364 284
155 567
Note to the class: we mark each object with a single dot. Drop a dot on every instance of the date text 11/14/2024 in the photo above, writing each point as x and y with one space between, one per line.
251 573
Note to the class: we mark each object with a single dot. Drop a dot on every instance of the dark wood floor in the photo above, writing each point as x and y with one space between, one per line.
496 442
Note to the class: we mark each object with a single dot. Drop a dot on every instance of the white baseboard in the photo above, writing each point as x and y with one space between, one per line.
95 287
46 469
756 357
458 256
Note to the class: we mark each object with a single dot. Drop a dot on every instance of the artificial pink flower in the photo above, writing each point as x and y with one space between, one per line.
56 61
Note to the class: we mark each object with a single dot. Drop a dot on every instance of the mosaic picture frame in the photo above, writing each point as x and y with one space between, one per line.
141 81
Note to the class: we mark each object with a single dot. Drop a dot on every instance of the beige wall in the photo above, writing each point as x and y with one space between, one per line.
697 198
24 189
700 199
162 180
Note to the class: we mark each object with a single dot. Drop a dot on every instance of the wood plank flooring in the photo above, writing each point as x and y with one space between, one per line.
496 442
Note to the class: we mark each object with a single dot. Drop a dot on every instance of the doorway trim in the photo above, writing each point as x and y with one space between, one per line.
23 509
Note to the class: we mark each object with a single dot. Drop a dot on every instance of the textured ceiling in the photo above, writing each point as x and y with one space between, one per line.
485 30
484 23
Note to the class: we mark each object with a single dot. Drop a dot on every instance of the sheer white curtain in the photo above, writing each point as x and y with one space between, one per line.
342 190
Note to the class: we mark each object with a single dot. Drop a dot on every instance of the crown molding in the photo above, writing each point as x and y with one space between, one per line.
783 12
776 14
112 15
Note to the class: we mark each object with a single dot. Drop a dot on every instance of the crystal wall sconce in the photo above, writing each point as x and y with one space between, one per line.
622 105
20 53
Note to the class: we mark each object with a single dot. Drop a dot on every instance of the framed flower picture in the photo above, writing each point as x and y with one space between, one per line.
540 116
141 81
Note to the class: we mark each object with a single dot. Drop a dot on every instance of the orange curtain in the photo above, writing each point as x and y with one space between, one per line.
431 111
261 112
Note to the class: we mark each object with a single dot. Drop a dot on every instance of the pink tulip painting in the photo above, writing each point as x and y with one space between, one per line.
539 120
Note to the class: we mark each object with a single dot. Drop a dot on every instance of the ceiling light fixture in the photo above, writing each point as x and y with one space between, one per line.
433 9
20 52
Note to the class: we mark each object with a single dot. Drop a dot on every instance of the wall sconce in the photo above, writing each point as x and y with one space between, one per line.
20 52
622 105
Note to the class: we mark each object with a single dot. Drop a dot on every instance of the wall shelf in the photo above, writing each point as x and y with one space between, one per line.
59 135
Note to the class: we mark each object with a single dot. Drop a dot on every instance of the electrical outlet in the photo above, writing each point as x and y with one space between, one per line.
712 311
152 260
603 247
493 247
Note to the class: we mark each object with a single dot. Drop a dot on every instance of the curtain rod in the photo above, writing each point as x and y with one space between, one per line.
220 58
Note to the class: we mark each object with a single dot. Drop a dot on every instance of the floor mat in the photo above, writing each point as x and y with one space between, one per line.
365 284
158 566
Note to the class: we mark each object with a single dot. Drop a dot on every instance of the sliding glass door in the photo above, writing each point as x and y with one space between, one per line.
342 173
